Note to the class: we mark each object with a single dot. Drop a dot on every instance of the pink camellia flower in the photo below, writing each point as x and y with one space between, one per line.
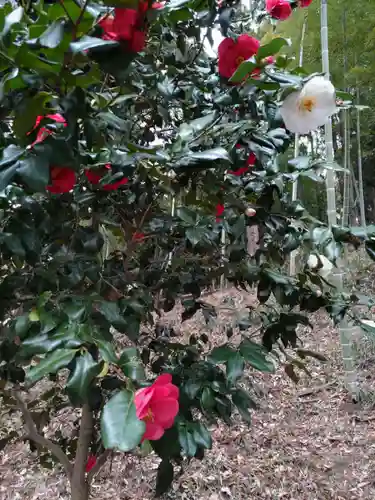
63 180
304 3
44 132
91 461
234 52
278 9
95 176
250 212
157 406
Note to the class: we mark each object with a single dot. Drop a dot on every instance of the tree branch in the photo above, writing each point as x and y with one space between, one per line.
84 439
33 434
101 460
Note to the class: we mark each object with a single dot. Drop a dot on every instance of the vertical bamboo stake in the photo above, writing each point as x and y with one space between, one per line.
223 238
362 210
293 255
173 209
347 180
346 331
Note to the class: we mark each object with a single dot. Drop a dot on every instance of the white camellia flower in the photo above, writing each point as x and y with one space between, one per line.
309 108
314 261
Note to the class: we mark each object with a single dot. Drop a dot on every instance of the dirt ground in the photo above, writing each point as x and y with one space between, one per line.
307 441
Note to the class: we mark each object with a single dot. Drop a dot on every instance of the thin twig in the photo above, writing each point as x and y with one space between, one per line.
34 435
66 12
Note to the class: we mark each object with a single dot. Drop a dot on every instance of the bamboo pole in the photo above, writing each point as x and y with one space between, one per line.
346 331
293 255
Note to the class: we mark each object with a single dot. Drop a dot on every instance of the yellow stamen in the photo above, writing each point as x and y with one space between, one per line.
239 60
149 417
307 104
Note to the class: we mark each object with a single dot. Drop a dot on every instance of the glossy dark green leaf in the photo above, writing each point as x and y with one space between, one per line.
187 441
131 364
52 363
221 354
202 435
120 427
53 35
164 477
34 172
256 356
235 366
14 17
90 42
272 48
84 372
243 70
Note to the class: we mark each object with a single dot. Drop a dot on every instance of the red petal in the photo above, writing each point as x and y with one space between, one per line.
153 431
142 400
164 410
166 378
63 180
91 461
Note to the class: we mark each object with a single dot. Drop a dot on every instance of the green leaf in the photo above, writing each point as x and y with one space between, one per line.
243 402
34 172
188 130
235 367
11 154
53 35
256 356
131 364
120 427
90 42
220 354
187 441
114 121
202 435
272 48
207 399
84 372
164 477
14 17
195 234
52 363
243 70
208 155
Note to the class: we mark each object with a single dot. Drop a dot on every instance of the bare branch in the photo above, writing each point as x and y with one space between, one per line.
101 460
33 434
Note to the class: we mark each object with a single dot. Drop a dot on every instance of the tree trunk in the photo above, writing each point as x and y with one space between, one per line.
80 491
78 483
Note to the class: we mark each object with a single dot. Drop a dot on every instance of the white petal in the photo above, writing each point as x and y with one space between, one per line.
312 261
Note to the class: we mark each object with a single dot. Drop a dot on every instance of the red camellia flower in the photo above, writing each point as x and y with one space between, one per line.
250 162
304 3
91 461
45 132
128 25
63 180
95 176
278 9
157 406
233 52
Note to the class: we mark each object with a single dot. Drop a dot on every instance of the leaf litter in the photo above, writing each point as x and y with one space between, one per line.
307 441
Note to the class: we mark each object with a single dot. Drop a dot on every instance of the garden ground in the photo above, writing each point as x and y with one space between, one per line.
307 441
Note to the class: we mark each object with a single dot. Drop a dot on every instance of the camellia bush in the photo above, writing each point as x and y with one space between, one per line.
127 152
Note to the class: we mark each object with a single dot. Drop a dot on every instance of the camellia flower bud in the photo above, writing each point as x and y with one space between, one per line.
250 212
